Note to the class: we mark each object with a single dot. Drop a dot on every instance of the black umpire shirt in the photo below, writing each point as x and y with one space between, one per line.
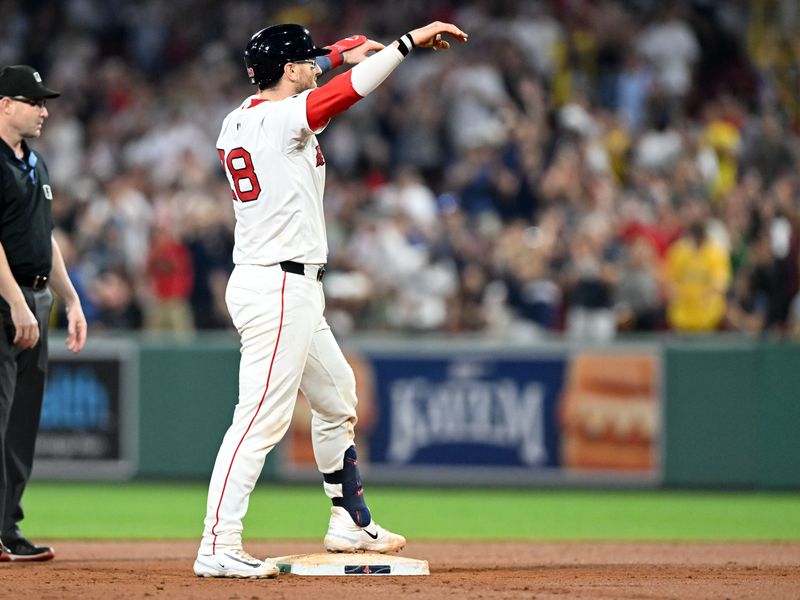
26 222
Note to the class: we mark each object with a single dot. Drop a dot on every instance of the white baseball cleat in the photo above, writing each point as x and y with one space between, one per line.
345 536
234 562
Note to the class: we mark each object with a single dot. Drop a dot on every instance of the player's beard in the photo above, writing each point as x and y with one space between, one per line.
307 84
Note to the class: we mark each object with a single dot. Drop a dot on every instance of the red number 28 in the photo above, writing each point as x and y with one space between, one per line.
240 166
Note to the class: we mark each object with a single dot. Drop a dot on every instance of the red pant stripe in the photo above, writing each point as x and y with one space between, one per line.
258 408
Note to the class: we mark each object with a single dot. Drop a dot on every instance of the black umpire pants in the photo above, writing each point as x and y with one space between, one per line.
22 381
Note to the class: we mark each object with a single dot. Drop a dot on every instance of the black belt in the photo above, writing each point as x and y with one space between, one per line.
289 266
35 282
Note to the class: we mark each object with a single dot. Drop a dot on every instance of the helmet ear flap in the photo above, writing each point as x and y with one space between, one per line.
265 73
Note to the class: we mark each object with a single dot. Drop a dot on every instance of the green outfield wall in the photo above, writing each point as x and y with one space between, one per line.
728 416
732 415
187 391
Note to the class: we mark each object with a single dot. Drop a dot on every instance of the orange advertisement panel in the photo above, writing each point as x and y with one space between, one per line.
609 413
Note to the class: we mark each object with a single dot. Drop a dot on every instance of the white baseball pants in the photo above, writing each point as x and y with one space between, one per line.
286 345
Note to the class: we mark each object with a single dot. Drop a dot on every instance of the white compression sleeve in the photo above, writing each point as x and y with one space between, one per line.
370 73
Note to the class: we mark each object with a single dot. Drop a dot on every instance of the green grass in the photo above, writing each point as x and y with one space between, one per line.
154 510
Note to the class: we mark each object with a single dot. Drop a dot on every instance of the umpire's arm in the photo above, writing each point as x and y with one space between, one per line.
26 329
62 286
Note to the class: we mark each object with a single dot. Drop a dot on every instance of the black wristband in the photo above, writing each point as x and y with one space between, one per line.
405 44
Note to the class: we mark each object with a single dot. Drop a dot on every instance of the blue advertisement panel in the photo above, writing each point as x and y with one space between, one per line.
88 424
478 412
80 413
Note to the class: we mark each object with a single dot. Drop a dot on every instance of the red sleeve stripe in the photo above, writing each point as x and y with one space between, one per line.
333 98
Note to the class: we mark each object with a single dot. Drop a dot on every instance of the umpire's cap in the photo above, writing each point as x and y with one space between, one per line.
271 48
22 80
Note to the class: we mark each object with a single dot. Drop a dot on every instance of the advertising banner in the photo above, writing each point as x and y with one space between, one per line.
475 412
88 425
460 415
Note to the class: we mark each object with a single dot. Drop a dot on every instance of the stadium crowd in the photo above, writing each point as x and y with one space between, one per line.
592 167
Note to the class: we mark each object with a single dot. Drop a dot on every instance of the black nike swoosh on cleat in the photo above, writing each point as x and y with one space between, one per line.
374 536
244 562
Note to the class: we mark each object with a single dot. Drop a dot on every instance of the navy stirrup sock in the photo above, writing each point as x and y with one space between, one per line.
352 499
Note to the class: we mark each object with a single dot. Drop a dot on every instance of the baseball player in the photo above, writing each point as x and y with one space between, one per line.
276 169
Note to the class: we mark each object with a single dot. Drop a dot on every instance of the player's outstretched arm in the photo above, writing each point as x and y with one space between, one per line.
359 53
348 51
370 74
348 88
430 36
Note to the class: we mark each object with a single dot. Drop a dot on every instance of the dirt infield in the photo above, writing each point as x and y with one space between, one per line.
157 570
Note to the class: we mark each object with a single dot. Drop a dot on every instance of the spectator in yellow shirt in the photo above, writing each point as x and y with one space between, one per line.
697 275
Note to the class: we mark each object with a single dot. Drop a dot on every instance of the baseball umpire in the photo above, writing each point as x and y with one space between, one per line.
30 263
276 169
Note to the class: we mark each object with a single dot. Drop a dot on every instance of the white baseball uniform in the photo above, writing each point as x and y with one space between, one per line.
277 176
